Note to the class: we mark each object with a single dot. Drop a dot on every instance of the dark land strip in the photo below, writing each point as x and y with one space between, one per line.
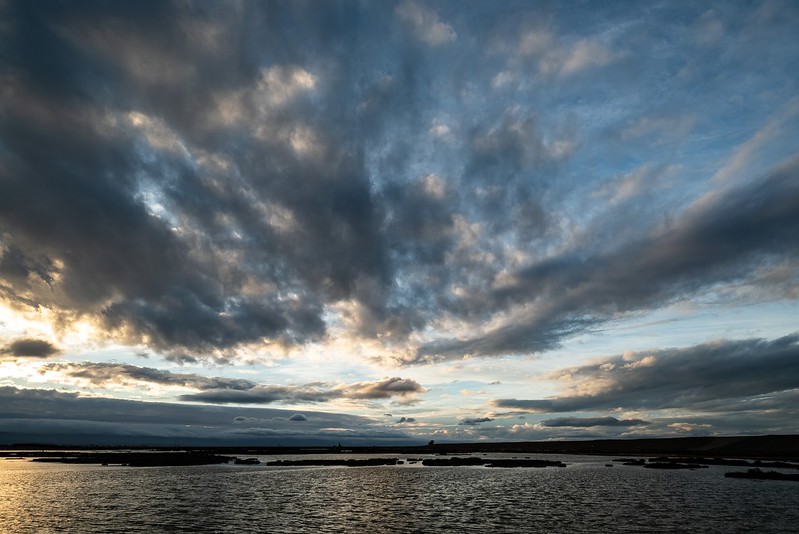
781 451
784 447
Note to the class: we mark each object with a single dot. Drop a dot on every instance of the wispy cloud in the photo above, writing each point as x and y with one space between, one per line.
723 239
710 377
221 390
404 389
425 23
586 422
102 373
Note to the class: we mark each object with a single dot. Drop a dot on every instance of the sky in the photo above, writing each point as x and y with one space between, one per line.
353 222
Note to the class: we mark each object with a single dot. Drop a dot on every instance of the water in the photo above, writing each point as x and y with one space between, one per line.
583 497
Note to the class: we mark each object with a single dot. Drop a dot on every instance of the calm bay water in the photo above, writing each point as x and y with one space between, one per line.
583 497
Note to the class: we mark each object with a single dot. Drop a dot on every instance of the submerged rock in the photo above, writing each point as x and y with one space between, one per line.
350 462
757 474
673 465
454 461
525 463
490 462
630 461
247 461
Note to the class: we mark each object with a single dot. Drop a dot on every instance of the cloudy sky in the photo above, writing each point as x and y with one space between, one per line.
373 222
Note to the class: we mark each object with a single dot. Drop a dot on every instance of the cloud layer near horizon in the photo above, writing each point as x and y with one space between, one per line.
49 416
725 376
711 388
221 390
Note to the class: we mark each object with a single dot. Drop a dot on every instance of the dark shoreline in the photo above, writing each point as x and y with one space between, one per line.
187 458
138 459
784 447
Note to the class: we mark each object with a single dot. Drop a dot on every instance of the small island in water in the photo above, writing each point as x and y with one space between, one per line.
757 474
753 452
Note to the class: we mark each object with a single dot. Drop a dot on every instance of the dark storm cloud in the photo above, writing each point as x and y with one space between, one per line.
238 213
475 421
725 376
724 237
383 389
95 147
29 348
404 388
579 422
195 177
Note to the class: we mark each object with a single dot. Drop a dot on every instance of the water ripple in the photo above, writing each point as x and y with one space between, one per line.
584 497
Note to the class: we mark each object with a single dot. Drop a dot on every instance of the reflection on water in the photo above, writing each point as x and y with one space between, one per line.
583 497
